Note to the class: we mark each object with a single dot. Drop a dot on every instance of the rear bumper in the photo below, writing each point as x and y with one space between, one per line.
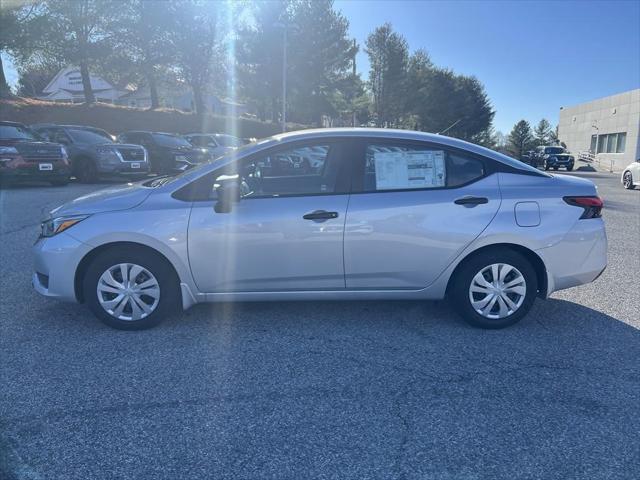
32 172
579 258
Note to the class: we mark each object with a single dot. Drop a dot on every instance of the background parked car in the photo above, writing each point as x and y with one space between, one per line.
554 157
168 153
216 143
530 158
631 175
24 156
93 152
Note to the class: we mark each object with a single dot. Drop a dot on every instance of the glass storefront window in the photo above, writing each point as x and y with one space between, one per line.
622 140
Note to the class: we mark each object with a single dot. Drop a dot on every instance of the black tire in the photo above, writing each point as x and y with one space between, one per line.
569 168
459 291
546 166
86 170
627 181
157 265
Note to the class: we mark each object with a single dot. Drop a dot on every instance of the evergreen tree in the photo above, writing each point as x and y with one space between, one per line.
542 133
144 41
520 139
389 58
79 32
260 54
321 57
198 41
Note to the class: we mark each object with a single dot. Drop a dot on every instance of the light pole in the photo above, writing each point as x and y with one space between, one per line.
284 74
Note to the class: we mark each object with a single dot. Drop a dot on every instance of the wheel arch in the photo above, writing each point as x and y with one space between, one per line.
81 270
536 262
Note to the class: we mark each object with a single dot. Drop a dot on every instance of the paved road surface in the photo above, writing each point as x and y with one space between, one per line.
376 390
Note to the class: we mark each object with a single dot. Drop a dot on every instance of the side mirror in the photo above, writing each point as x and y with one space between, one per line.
227 192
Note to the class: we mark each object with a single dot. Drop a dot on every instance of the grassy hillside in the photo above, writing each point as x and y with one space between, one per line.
116 119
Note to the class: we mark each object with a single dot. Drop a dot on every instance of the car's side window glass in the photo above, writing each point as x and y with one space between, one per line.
415 167
60 137
462 170
301 170
400 167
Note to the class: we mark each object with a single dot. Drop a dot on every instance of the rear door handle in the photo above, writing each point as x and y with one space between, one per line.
320 215
471 201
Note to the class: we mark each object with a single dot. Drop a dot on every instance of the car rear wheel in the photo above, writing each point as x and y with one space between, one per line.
130 290
546 166
494 289
569 168
627 181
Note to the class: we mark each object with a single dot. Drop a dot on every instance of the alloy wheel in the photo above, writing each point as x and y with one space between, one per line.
128 292
626 181
497 291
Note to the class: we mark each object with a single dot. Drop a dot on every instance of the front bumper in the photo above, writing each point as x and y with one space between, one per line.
125 169
579 258
559 163
56 260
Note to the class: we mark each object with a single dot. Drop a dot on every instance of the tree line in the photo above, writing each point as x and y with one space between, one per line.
236 49
523 138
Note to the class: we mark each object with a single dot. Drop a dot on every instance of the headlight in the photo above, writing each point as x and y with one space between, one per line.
109 154
53 226
8 151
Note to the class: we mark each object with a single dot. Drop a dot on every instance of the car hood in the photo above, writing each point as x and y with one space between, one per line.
122 197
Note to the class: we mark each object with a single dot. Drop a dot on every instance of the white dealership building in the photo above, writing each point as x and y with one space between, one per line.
608 127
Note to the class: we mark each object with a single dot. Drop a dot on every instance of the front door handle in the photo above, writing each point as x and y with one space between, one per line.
320 215
471 201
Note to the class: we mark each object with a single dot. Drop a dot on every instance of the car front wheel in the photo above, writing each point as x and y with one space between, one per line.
130 290
627 181
494 289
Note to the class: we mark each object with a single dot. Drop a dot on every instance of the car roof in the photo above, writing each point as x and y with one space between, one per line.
12 124
151 132
385 133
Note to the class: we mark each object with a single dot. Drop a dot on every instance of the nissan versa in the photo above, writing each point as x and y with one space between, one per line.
382 214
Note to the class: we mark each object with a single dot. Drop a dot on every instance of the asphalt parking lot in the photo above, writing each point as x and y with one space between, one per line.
354 390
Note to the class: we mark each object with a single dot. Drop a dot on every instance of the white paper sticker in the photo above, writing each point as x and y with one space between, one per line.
417 169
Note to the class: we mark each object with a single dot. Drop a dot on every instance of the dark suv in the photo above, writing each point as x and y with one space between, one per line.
94 154
168 153
24 156
554 157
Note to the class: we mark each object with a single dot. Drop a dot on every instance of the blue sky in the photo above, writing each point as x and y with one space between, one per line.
533 57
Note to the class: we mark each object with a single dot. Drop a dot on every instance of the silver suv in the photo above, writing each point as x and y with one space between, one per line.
94 154
383 214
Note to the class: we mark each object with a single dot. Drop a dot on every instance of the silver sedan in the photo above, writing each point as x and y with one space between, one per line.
336 214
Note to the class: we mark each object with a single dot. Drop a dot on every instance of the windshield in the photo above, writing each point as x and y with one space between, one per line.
173 141
554 150
16 132
91 137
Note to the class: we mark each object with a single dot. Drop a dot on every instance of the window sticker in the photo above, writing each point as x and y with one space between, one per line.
418 169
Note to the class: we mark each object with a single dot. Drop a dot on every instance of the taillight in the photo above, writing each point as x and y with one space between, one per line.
592 205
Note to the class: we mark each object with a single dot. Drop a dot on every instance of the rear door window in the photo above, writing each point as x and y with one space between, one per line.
398 166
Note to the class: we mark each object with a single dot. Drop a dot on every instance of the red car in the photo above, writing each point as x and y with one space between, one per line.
24 156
